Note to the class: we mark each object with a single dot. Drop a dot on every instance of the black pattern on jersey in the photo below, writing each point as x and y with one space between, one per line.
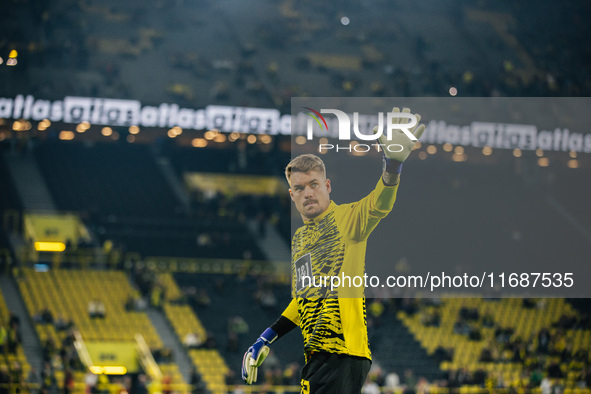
320 318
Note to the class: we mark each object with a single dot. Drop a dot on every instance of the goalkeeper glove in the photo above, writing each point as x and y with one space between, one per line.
394 155
256 354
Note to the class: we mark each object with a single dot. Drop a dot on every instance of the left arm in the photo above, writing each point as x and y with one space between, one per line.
366 213
370 210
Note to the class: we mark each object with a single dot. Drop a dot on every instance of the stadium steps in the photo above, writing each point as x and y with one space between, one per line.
395 349
30 184
272 245
30 340
175 184
169 340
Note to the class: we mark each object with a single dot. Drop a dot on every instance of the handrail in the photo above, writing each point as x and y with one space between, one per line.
84 258
146 359
82 350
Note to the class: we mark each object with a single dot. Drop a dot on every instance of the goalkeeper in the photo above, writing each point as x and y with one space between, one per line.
332 242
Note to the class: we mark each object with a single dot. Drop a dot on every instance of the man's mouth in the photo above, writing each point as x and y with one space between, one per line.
309 203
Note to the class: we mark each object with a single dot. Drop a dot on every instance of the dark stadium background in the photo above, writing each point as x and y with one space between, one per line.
181 231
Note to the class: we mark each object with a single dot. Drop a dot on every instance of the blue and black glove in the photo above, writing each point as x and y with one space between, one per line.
256 354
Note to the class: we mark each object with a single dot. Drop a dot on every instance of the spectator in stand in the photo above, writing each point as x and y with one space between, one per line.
267 299
4 380
197 383
546 386
202 299
431 318
96 309
13 338
14 319
458 378
16 374
232 345
3 338
488 321
543 341
193 340
48 350
130 303
157 296
461 327
33 381
273 376
291 375
163 355
69 382
238 325
230 378
392 382
92 309
376 310
370 386
140 304
422 386
166 384
61 324
101 311
91 381
210 341
141 386
443 354
48 380
410 381
272 362
44 316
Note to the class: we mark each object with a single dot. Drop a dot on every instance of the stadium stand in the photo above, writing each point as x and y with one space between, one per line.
207 361
397 340
127 200
67 294
503 343
213 304
260 54
46 290
499 48
14 368
248 159
230 296
106 179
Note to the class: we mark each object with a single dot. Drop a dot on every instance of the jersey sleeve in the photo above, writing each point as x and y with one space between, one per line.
291 312
364 215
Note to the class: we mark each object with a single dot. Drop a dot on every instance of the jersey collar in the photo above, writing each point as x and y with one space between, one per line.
319 218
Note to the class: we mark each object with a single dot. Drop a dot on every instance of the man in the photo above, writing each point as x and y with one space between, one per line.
331 243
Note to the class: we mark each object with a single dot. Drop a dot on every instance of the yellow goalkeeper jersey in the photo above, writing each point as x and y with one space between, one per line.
333 319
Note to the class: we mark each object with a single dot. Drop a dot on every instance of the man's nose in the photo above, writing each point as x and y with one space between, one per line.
307 191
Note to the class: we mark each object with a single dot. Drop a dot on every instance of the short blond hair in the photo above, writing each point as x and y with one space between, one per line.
305 163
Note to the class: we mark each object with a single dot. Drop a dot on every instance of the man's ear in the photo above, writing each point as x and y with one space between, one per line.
328 185
291 193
